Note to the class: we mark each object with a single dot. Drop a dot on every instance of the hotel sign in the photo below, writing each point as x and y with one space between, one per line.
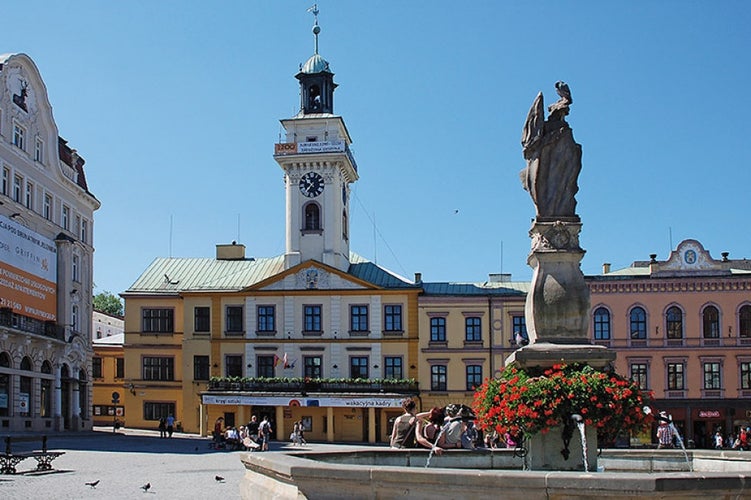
28 271
301 148
709 414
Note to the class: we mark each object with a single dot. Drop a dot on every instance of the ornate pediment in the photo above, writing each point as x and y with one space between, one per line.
312 277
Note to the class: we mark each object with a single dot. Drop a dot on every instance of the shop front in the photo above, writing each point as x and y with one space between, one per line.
325 417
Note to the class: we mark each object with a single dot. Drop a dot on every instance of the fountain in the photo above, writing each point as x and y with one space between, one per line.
557 312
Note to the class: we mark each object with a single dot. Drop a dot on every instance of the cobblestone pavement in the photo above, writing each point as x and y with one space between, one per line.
182 467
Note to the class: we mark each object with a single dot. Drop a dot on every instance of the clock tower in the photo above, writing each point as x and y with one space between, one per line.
318 168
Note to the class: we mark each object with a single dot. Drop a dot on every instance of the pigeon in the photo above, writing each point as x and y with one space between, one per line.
93 483
219 478
146 487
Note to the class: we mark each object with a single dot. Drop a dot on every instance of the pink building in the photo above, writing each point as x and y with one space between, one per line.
682 328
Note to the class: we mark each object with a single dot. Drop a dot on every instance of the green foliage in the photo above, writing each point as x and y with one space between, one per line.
108 303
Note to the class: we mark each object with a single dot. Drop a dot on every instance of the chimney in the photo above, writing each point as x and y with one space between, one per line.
418 278
652 263
499 277
230 252
606 268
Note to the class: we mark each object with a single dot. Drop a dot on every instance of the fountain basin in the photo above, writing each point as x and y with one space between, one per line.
386 473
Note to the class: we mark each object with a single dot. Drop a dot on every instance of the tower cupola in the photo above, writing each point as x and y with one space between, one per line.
316 79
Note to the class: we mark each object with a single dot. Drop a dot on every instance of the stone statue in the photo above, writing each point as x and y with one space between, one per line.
553 157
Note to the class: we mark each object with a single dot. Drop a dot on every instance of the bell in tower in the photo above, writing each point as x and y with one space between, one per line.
316 80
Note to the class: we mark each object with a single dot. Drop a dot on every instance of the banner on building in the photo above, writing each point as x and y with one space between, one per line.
353 402
28 271
301 148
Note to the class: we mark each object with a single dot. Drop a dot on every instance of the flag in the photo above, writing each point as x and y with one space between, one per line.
276 360
284 361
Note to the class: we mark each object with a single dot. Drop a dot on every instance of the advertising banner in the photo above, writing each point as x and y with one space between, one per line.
341 402
28 271
295 148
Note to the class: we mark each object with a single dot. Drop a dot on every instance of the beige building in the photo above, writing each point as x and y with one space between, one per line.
46 229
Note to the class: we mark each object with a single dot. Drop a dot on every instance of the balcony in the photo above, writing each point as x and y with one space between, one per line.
297 385
50 329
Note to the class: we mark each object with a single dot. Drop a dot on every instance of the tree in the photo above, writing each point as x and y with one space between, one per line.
108 303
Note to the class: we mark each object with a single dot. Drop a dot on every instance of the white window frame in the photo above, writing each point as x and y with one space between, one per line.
84 230
29 199
75 268
19 136
39 150
65 217
17 188
6 181
47 207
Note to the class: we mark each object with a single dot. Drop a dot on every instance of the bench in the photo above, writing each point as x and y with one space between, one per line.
9 460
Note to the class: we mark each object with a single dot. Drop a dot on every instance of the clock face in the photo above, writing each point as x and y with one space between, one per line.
311 184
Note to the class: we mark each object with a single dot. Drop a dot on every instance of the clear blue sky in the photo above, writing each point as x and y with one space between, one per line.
175 106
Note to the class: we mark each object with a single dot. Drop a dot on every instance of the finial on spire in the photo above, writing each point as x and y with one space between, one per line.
316 28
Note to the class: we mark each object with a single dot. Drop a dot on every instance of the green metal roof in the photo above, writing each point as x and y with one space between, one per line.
174 275
508 288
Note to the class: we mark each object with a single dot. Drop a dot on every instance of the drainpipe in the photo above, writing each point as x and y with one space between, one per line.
490 332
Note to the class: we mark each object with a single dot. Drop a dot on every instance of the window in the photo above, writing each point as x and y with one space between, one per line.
155 411
438 329
265 366
711 323
312 318
674 320
344 224
45 392
47 208
17 183
233 365
312 217
638 320
158 368
202 319
85 231
65 218
744 317
438 378
675 377
234 319
312 366
639 374
200 367
474 377
119 367
74 318
519 326
5 393
602 324
358 318
266 319
158 321
358 366
96 367
77 227
712 375
6 180
472 329
29 195
25 387
19 136
392 317
392 367
38 150
745 375
74 268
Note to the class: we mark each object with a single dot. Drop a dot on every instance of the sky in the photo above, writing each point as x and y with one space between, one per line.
175 106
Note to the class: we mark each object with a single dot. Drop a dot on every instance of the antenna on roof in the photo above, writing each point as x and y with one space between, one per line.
238 227
170 236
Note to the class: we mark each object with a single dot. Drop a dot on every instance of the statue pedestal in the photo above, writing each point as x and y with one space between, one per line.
544 450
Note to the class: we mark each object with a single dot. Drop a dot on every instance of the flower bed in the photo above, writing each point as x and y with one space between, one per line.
534 401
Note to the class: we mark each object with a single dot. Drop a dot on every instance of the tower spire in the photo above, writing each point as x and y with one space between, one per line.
316 28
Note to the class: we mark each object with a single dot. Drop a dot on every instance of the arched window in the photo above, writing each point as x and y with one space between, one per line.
5 384
744 319
711 323
25 396
638 321
674 322
602 324
312 217
45 392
